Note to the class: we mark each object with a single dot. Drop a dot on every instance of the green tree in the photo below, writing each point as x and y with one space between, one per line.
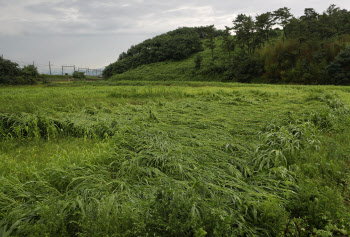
263 25
228 43
282 17
336 20
339 70
245 68
210 42
244 28
30 71
9 71
310 20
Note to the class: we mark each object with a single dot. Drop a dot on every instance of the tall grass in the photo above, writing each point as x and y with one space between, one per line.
184 162
35 126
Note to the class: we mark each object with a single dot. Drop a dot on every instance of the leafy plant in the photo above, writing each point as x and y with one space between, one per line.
339 70
78 75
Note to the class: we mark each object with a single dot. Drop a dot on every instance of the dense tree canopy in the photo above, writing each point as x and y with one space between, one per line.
339 70
305 53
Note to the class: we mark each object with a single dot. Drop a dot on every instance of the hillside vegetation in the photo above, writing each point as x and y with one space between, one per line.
176 45
311 49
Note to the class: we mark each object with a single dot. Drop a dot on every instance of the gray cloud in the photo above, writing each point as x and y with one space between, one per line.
111 26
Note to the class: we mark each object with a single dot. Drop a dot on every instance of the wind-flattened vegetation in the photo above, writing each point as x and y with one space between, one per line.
191 159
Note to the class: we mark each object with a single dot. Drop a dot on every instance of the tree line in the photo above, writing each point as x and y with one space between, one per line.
278 47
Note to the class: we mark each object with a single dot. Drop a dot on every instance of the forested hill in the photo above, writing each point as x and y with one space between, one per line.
176 45
273 47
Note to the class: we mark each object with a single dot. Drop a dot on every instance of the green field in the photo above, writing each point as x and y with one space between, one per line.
174 159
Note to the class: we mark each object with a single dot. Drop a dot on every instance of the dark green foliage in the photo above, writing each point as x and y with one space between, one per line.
213 70
8 71
210 40
244 69
339 70
78 75
314 26
8 68
243 25
290 61
228 43
30 71
11 74
203 31
21 80
198 62
282 16
313 41
263 24
174 45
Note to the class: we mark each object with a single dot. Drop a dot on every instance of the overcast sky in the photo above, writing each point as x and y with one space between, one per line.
92 33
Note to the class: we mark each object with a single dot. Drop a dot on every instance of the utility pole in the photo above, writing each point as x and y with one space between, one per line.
94 70
50 67
63 66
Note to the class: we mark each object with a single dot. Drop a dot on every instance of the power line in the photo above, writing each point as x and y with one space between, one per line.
56 69
68 67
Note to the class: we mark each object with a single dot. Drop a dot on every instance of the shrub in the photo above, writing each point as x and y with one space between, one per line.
339 70
30 71
245 68
78 75
198 62
11 74
8 70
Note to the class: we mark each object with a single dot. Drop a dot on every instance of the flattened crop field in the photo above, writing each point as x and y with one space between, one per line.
174 159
